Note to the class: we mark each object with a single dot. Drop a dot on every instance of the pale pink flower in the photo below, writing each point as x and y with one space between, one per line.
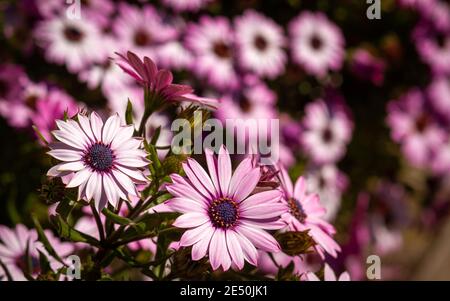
260 43
225 220
317 44
306 213
50 107
141 30
71 42
212 43
327 131
329 275
104 161
13 246
186 5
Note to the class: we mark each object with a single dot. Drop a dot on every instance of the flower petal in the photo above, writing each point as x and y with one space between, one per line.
259 238
234 248
191 220
218 253
224 170
110 128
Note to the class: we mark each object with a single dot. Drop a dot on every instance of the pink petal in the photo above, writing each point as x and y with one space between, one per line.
329 274
259 238
136 175
163 79
247 184
129 162
79 177
300 188
263 224
202 176
241 171
150 69
286 181
96 126
123 134
185 205
196 182
234 248
218 253
192 236
344 277
86 126
201 247
92 186
125 182
261 198
65 155
69 139
212 167
264 211
248 249
110 189
110 129
191 220
224 170
71 166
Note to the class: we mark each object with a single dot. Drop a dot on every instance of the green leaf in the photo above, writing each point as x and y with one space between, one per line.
6 271
43 238
44 264
65 207
155 136
39 134
129 113
115 218
66 231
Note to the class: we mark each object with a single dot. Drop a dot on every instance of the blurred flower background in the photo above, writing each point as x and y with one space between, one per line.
364 105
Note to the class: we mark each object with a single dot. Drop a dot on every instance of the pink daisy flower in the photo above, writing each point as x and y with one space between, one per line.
13 246
433 46
329 183
327 131
329 275
439 94
260 44
224 219
306 213
12 107
212 43
255 103
367 67
317 44
71 42
415 127
104 161
51 107
98 11
159 82
141 30
186 5
173 55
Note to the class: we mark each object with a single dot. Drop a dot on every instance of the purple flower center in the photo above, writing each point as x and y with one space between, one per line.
327 135
32 266
316 42
142 38
99 157
260 43
222 50
224 213
73 34
297 210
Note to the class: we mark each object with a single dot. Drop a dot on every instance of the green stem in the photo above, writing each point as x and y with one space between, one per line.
99 223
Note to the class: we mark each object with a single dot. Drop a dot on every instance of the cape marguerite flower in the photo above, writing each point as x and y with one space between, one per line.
306 213
224 219
104 161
